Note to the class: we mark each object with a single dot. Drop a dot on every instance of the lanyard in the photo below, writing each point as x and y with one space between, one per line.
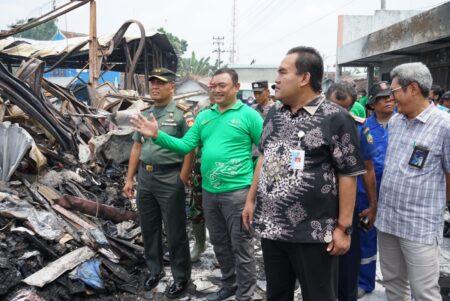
300 135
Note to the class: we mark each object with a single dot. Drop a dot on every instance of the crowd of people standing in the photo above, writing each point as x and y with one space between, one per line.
322 188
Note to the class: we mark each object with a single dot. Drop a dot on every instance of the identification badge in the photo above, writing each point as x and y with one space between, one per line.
297 159
169 123
418 156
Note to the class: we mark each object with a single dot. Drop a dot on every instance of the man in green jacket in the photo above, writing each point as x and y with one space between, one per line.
226 133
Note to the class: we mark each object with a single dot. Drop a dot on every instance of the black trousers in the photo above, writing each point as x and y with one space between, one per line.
349 264
310 263
161 199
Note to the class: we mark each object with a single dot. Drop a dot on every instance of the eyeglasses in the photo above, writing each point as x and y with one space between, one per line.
395 90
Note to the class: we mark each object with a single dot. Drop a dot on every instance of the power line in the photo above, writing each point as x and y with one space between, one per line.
253 11
302 27
219 42
257 24
233 39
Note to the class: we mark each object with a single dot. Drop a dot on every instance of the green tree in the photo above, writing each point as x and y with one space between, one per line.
191 66
44 31
195 67
179 45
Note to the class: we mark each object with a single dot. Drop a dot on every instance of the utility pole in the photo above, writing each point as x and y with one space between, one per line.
219 42
233 39
93 53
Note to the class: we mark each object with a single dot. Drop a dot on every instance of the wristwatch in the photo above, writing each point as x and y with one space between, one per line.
346 229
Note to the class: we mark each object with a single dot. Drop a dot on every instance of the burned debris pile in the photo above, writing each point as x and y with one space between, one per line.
66 231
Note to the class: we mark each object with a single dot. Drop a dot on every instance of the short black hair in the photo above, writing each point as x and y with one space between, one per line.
309 60
437 90
343 90
363 92
233 74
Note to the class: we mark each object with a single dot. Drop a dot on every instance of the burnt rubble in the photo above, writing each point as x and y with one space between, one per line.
66 230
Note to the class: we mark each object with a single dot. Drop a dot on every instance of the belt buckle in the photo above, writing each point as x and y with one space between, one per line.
149 168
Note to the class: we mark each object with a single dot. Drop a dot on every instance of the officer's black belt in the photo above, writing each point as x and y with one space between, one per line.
160 167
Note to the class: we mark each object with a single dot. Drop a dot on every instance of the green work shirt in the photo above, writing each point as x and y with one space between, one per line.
226 139
363 100
358 110
172 120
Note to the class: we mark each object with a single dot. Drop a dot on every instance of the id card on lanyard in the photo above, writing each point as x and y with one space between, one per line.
298 154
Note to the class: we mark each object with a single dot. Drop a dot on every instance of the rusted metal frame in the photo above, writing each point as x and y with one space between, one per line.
134 65
94 65
58 92
30 68
45 18
76 105
77 76
133 62
146 91
94 208
66 56
128 75
156 63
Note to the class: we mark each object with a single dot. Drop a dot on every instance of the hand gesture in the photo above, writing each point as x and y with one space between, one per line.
147 127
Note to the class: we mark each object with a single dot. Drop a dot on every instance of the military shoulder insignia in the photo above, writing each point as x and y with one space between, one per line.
145 109
358 119
183 106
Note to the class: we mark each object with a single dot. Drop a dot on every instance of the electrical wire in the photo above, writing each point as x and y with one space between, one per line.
265 46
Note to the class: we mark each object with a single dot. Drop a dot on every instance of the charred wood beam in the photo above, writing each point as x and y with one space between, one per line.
122 250
55 156
127 244
40 245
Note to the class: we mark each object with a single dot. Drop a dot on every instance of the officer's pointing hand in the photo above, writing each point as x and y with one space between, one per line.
147 127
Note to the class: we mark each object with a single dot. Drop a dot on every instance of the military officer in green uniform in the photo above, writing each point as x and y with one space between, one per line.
162 175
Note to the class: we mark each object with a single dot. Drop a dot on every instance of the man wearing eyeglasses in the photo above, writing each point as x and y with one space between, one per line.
226 133
414 188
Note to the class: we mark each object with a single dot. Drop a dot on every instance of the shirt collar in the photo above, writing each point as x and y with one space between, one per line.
237 105
311 107
424 115
170 107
